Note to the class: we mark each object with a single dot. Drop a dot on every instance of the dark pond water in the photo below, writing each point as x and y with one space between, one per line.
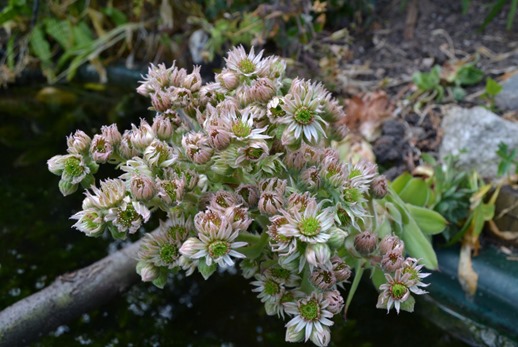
37 245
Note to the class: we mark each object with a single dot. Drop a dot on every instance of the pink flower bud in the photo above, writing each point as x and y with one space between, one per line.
365 242
335 300
379 187
341 270
142 187
228 79
79 143
323 279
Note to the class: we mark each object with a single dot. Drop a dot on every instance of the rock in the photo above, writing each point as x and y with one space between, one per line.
507 99
478 132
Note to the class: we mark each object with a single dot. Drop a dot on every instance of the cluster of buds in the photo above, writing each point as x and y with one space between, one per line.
245 172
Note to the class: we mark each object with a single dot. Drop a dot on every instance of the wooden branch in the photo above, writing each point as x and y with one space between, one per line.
68 297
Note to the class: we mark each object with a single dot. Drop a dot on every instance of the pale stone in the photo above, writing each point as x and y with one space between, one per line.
474 135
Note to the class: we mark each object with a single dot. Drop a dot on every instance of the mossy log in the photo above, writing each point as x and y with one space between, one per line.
69 296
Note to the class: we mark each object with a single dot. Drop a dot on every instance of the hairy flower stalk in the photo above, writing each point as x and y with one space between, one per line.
242 170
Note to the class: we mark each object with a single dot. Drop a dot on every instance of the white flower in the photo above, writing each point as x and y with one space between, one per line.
311 317
128 216
303 107
311 225
244 64
215 245
89 221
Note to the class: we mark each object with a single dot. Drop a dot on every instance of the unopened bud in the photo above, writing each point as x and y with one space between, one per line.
323 279
379 187
365 242
335 300
341 270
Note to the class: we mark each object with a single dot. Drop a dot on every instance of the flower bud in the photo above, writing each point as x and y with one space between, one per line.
79 143
249 193
228 79
335 300
142 187
318 254
100 149
365 242
323 279
341 270
337 238
142 136
193 80
66 187
111 134
390 243
392 261
270 202
379 187
148 272
163 127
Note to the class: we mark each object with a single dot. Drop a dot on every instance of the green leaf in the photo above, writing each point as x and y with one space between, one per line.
429 221
492 87
496 9
60 31
400 182
465 6
116 16
408 304
7 14
418 245
428 80
377 277
39 45
255 246
468 75
512 14
205 270
161 280
394 213
416 192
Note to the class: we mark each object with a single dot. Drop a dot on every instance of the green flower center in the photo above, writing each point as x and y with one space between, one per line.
177 231
254 153
170 189
218 249
310 311
354 173
352 195
127 216
413 273
304 116
280 273
287 297
73 167
246 66
309 226
327 277
220 200
168 253
271 287
241 129
100 145
398 290
277 111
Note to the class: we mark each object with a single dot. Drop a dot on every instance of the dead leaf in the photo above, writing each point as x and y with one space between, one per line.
366 113
468 278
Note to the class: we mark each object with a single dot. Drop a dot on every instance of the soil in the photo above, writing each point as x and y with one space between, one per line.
405 37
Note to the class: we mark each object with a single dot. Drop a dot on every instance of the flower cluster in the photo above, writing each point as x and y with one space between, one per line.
245 171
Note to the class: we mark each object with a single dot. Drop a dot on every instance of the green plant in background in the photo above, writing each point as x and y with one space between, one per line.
463 199
451 78
62 37
508 159
491 90
496 8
